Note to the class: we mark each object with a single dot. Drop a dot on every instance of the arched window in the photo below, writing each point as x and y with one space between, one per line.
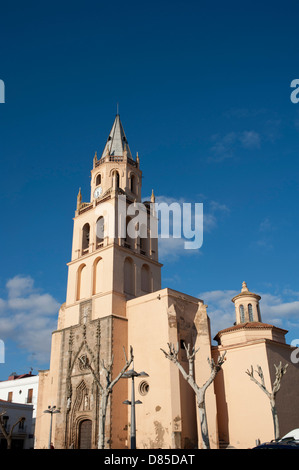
242 316
143 239
82 283
98 180
98 276
100 232
129 241
250 312
85 238
145 278
132 183
115 176
258 312
129 277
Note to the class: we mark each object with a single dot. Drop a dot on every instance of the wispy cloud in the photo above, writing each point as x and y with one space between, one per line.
220 308
250 139
279 309
28 317
264 233
265 225
173 248
225 146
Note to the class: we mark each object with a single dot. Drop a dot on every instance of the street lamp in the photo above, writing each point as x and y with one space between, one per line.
51 410
131 374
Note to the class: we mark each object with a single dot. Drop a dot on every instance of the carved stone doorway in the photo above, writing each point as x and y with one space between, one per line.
85 428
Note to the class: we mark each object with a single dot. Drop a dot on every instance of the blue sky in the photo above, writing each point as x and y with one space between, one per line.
204 97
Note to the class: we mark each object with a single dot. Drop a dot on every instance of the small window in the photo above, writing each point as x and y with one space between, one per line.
100 232
98 180
258 312
250 312
21 424
9 398
143 388
143 239
242 316
116 178
30 395
85 238
129 241
132 184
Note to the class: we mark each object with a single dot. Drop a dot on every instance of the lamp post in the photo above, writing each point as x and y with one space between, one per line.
131 374
51 410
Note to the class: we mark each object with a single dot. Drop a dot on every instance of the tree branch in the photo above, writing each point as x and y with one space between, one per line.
126 366
172 355
279 373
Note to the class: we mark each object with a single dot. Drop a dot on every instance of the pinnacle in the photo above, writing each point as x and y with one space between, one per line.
117 144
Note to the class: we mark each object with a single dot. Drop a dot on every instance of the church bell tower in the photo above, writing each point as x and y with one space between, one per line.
110 266
107 268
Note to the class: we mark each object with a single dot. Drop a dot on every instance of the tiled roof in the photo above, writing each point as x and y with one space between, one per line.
22 376
248 325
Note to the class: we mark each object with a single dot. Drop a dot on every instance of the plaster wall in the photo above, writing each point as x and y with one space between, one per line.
168 413
243 410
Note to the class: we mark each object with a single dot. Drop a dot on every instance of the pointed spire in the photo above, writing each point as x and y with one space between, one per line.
79 199
153 196
95 159
117 143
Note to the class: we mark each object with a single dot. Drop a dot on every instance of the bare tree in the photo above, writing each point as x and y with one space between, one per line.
106 388
6 434
200 392
279 373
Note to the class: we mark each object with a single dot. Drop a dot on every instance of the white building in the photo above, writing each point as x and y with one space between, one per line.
21 389
22 436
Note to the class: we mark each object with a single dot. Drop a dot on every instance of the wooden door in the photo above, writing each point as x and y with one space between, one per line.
85 434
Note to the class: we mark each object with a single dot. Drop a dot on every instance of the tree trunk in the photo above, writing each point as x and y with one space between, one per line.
279 373
203 423
102 424
275 419
200 392
8 440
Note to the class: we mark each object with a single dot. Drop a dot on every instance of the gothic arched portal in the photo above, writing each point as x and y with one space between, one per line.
84 434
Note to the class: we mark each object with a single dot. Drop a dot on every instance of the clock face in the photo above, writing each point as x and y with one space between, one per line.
98 191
